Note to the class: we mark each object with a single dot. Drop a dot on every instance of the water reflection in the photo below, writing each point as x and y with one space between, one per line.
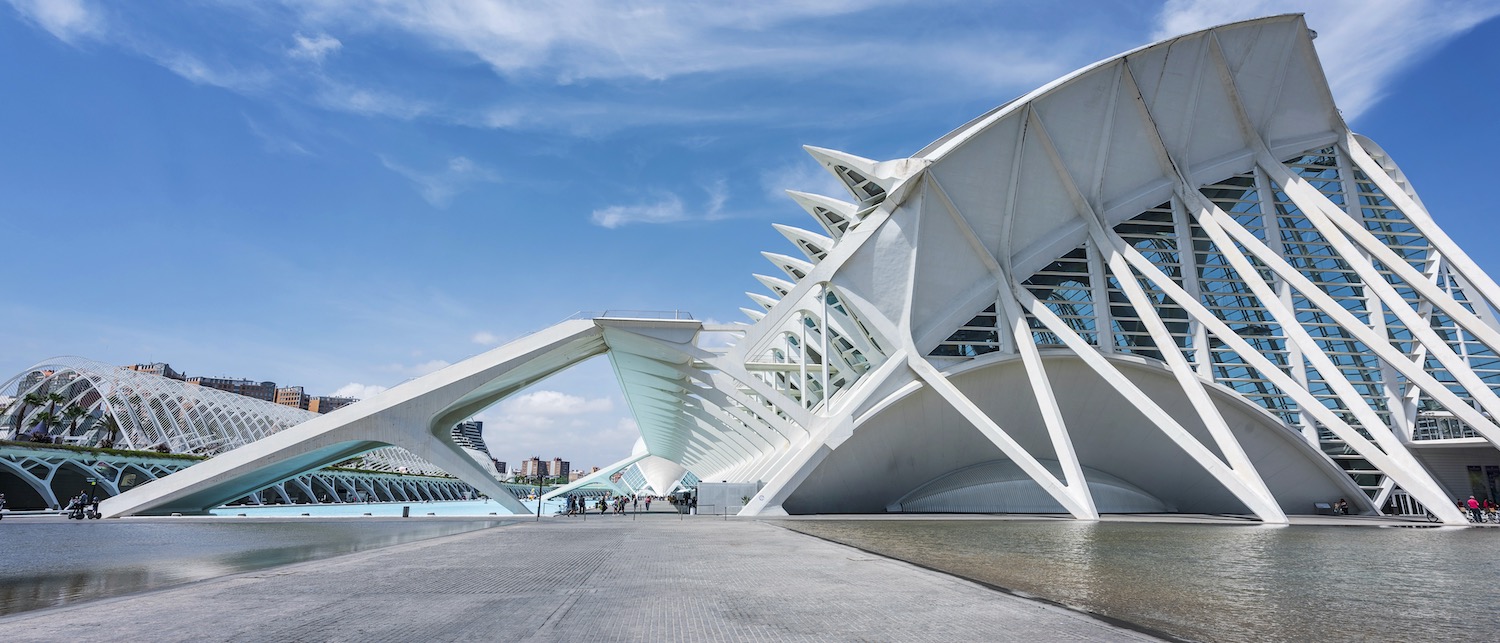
45 564
1218 583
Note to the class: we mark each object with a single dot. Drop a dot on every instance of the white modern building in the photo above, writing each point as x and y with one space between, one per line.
84 403
1172 281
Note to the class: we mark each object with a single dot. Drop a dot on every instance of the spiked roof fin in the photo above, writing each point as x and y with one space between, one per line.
764 301
834 215
812 244
793 266
868 180
779 286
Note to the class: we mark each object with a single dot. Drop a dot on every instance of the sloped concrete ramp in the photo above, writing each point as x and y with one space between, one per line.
416 415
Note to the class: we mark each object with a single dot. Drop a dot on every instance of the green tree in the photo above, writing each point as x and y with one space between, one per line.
111 431
53 399
46 419
74 413
30 399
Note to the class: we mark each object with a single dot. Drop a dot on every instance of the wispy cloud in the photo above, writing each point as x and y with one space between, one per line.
485 338
313 48
440 186
1363 45
366 101
570 61
275 143
802 176
668 208
540 422
359 391
416 370
598 39
69 20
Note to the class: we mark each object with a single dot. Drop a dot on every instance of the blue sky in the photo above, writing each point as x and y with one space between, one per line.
344 195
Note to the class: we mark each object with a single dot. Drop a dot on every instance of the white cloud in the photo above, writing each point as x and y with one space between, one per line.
365 101
417 370
68 20
275 143
718 195
314 48
599 39
554 403
1363 45
439 187
804 176
585 430
485 338
359 391
666 210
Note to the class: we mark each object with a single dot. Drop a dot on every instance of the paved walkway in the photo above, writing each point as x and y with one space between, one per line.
657 578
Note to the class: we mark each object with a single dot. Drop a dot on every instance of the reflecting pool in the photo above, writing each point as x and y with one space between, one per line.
51 561
1218 582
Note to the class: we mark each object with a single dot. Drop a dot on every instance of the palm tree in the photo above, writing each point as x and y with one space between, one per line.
45 420
53 399
111 429
74 413
31 399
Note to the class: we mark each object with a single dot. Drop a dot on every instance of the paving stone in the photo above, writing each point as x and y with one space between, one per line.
659 578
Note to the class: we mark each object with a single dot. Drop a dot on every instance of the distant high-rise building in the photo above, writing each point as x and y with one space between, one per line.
158 368
328 403
499 467
559 468
292 396
248 388
31 381
470 435
532 466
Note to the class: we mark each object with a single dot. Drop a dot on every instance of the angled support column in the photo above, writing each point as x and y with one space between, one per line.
416 415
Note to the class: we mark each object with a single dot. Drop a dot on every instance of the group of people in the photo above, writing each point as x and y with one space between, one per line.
1479 510
83 506
578 505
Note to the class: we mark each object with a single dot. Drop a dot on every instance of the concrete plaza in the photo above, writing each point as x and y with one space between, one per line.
658 577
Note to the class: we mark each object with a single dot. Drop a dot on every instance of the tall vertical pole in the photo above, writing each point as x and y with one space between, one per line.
823 297
802 343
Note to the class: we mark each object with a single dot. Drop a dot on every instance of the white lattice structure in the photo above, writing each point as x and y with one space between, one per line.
151 411
1172 281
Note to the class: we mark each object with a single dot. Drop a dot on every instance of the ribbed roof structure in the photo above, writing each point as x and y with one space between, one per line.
151 411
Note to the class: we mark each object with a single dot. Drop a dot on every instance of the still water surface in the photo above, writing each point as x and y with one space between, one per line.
50 561
1219 582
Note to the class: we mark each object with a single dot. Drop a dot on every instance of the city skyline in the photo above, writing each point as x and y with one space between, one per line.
417 185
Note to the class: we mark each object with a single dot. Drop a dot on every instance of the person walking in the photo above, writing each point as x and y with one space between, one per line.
648 503
1474 509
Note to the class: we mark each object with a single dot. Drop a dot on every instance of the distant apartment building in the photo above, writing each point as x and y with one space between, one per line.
470 435
328 403
30 382
292 396
532 466
559 467
499 467
158 368
248 388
